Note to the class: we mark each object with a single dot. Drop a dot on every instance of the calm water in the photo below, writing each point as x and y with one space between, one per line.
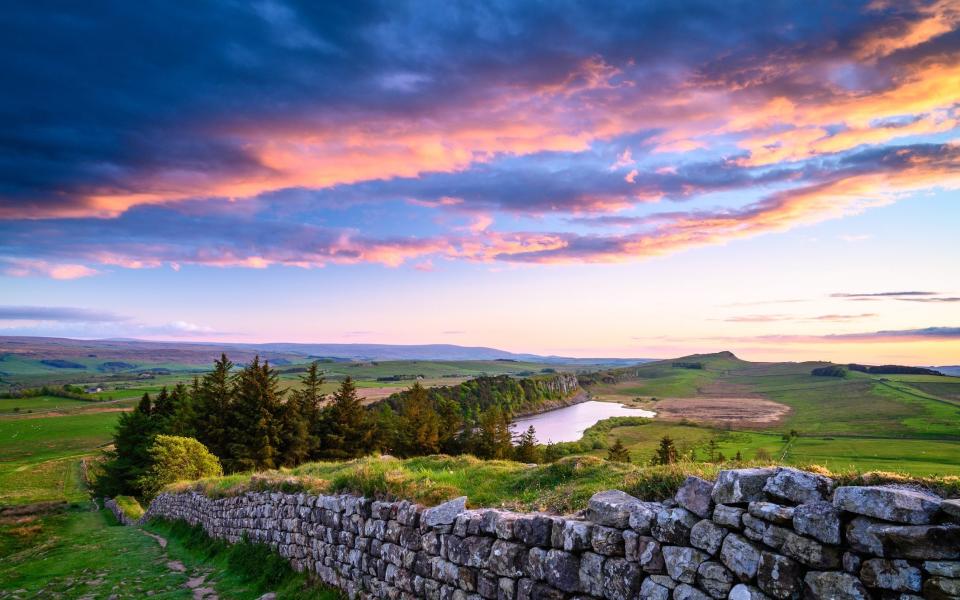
567 424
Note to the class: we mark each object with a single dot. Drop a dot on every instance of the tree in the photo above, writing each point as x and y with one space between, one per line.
215 395
175 458
310 399
254 426
451 423
738 457
762 455
618 452
666 453
183 421
419 426
294 430
493 438
526 450
348 433
129 459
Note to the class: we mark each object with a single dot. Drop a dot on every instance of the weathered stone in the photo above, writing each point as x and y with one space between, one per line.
444 514
562 570
772 513
611 508
575 535
695 496
642 516
622 579
536 559
644 550
799 486
862 537
507 559
740 556
741 485
922 542
941 588
942 568
707 536
533 530
888 503
673 525
896 575
649 590
779 576
607 541
951 507
832 585
591 573
811 553
728 516
820 520
774 536
715 579
682 563
688 592
746 592
851 562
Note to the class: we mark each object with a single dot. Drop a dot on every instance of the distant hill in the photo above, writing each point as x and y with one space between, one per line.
203 353
953 370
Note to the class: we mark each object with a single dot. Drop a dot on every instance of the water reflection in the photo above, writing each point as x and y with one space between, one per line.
568 424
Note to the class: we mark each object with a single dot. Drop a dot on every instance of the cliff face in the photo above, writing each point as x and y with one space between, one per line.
755 534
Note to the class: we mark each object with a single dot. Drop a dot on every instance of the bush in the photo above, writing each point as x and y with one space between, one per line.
175 458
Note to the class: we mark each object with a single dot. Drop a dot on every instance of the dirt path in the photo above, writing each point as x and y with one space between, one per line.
196 579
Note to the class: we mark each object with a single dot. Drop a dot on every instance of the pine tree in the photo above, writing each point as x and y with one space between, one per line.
386 429
310 399
183 421
419 428
451 423
493 438
163 406
348 431
618 452
213 400
666 453
294 429
526 450
129 459
254 419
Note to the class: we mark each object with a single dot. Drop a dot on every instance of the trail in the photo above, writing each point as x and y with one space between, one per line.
196 578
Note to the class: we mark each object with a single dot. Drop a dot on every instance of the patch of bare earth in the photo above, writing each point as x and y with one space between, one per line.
722 411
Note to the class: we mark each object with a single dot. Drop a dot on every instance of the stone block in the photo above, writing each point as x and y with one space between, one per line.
695 496
741 485
899 505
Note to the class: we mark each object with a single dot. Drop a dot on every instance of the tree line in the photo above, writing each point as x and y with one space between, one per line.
249 423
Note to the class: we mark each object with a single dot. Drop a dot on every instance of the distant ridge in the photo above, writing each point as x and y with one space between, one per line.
204 352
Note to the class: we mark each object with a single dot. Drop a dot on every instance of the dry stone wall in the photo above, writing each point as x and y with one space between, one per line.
754 534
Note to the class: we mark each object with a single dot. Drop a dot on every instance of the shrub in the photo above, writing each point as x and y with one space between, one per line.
175 458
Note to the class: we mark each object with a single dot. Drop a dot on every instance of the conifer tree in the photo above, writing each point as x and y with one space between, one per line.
451 422
666 453
163 406
618 452
294 430
386 429
348 430
213 402
419 427
183 421
493 438
310 399
254 425
526 450
130 458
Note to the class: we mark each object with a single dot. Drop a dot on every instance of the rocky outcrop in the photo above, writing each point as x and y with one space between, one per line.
755 534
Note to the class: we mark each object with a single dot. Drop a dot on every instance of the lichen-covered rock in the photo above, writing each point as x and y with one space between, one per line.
772 513
888 503
819 520
507 559
611 508
779 576
644 550
832 585
728 516
951 508
715 579
941 588
746 592
943 568
741 485
533 530
799 487
673 525
740 556
851 562
707 536
621 579
576 535
649 590
811 553
682 563
695 496
862 537
562 570
921 542
591 573
607 541
444 514
688 592
886 574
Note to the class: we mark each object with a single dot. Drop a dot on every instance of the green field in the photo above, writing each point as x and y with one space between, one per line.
39 404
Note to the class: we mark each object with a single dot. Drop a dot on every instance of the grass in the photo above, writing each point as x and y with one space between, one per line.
563 486
39 404
129 506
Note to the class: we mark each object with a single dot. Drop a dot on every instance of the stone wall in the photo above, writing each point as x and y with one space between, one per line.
774 533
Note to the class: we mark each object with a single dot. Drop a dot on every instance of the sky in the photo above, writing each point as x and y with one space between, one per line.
644 179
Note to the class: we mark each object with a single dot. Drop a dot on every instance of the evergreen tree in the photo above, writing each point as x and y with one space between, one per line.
213 399
451 422
310 399
130 457
163 407
666 453
386 429
294 427
526 450
145 406
254 424
348 431
738 457
419 427
493 438
618 452
183 421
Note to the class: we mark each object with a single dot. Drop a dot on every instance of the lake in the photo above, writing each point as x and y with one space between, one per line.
567 424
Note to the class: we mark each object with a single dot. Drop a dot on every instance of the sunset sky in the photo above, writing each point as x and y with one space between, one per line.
779 179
